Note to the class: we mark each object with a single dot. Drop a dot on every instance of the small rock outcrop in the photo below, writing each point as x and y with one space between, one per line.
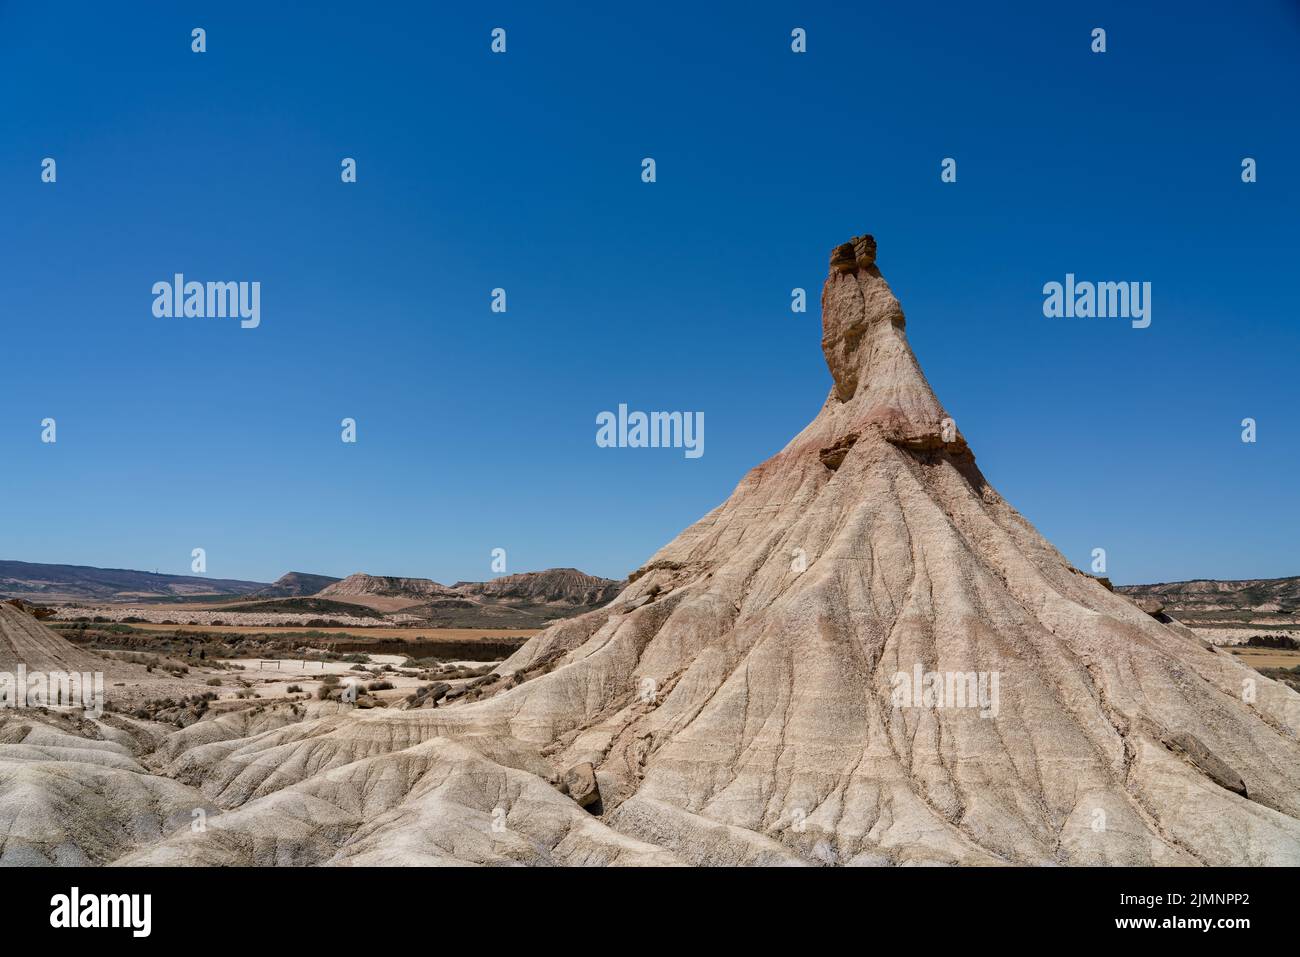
1152 606
579 782
1215 768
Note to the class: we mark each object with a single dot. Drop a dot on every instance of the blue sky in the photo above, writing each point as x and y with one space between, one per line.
476 429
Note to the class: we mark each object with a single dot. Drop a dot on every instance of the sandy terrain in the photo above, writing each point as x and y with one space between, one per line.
272 677
281 666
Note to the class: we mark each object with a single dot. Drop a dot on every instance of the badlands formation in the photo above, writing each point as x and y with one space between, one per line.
25 641
739 701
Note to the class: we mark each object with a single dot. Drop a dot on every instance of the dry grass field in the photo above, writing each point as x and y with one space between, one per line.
1267 657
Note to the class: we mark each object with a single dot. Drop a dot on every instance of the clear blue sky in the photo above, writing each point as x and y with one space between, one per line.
476 430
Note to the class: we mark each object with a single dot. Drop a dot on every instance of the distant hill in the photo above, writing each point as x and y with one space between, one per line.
563 586
294 585
1227 612
513 601
528 600
387 585
385 592
1208 595
87 583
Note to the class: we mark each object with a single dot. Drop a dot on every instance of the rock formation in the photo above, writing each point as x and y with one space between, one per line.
528 600
558 586
863 656
360 584
1201 595
295 585
554 586
25 641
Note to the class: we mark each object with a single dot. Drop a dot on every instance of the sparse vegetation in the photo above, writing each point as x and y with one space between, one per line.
1284 642
328 684
180 712
1288 676
432 668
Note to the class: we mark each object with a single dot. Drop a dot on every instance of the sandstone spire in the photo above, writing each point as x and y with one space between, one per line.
866 348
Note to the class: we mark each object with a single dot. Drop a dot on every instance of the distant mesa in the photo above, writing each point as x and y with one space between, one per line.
1224 612
1205 595
564 586
385 593
387 586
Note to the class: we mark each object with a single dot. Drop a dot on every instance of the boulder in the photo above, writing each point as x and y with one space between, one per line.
1152 606
579 782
